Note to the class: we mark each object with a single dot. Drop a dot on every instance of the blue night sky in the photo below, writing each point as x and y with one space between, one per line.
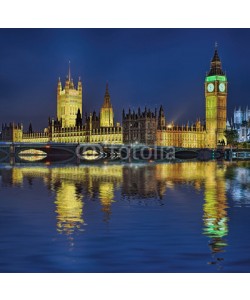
144 67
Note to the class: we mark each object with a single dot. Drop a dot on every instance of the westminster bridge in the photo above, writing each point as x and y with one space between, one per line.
72 152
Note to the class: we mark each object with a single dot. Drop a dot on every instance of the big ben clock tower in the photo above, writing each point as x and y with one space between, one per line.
216 103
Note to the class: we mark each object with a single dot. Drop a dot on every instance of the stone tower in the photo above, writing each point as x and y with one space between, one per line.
161 119
216 103
69 101
107 114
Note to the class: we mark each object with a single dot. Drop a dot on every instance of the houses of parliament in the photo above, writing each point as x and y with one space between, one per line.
141 127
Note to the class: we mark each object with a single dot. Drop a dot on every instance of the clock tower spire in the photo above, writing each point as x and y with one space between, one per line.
216 102
215 67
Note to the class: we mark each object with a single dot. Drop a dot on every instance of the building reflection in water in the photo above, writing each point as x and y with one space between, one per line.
215 211
106 195
145 182
238 183
69 208
141 184
212 176
70 184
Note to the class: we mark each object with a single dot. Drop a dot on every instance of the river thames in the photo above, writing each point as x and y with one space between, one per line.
149 217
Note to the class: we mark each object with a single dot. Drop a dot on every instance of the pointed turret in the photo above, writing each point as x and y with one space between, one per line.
139 112
69 75
71 85
107 114
107 90
161 118
59 86
79 85
78 118
107 102
30 128
71 82
215 66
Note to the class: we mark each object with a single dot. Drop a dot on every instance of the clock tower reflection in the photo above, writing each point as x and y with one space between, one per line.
215 212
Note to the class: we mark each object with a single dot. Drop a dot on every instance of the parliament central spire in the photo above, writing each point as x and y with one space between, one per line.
107 114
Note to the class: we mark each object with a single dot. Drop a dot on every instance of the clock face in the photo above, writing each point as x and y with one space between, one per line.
222 87
210 87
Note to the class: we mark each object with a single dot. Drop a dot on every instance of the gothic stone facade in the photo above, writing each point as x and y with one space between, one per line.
150 128
69 126
144 127
139 127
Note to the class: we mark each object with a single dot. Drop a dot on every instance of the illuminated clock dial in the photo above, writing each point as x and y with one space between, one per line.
222 87
210 87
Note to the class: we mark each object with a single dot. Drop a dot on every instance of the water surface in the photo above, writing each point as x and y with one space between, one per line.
182 217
